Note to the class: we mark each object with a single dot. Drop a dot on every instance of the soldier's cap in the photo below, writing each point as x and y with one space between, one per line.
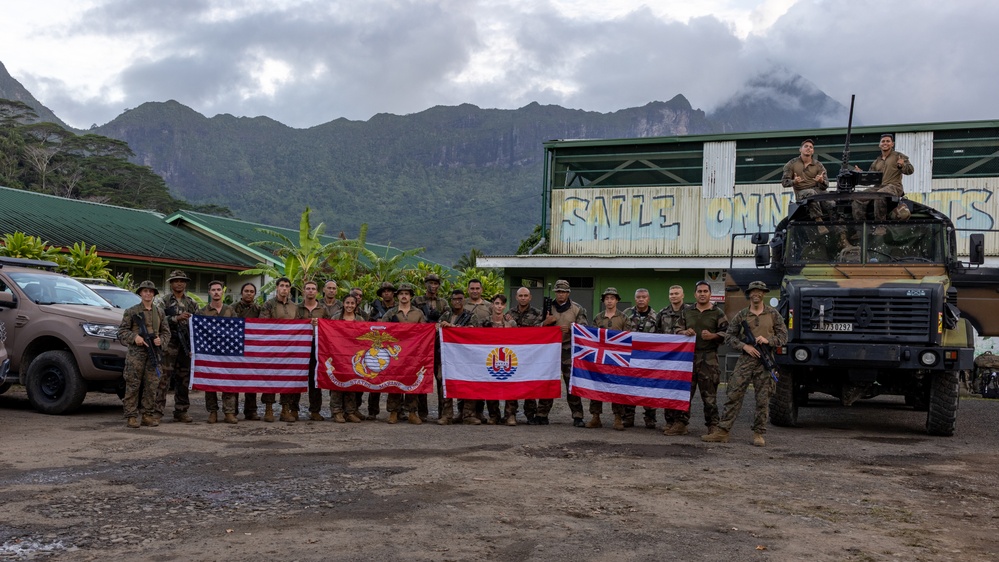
385 286
147 285
610 291
406 287
177 275
757 286
562 285
432 277
808 141
701 282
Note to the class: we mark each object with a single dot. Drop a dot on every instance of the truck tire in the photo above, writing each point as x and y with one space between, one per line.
54 383
783 406
944 396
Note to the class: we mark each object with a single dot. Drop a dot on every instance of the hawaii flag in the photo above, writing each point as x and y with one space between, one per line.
501 364
372 356
634 368
250 354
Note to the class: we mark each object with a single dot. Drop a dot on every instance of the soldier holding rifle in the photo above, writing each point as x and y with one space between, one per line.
143 329
178 307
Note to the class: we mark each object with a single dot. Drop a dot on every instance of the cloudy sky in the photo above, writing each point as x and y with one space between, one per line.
308 62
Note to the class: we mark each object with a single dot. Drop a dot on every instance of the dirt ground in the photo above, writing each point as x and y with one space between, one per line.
859 483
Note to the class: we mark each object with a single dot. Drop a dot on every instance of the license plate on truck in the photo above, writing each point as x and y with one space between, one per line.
834 327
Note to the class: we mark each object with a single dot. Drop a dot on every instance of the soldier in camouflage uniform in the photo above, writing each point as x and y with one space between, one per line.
671 318
247 307
769 328
641 318
708 323
343 405
498 319
526 316
279 307
140 375
404 312
216 307
433 306
455 315
333 305
386 300
178 307
480 309
564 313
311 309
609 318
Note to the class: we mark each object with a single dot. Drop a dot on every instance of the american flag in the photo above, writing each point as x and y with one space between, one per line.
250 354
599 345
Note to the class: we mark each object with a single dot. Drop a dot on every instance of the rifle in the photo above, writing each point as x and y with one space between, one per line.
153 353
463 319
546 307
183 332
766 352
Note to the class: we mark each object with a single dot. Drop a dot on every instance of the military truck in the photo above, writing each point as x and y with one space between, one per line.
61 336
872 307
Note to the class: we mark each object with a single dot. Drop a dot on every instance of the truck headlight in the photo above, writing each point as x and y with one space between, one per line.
801 354
109 331
927 358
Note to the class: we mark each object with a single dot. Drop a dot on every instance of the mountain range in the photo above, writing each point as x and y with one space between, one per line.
449 178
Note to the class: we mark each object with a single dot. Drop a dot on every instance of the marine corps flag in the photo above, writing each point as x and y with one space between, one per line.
375 356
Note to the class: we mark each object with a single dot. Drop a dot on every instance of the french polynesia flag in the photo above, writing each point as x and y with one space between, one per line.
632 368
501 363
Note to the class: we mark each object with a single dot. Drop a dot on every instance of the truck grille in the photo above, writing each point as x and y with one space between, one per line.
896 316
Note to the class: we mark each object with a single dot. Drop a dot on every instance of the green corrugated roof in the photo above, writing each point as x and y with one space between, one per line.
243 233
119 231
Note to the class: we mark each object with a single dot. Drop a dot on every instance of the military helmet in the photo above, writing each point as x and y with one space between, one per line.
562 285
176 275
760 285
610 291
406 287
432 277
385 286
147 285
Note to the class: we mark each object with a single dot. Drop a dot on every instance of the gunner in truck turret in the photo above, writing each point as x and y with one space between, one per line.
807 176
893 165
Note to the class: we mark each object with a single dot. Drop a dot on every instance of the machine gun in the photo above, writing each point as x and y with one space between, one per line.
153 353
849 178
766 352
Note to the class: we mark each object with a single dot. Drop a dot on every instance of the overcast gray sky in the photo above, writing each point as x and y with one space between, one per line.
309 62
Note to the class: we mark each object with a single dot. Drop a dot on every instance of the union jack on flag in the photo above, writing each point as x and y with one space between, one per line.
602 346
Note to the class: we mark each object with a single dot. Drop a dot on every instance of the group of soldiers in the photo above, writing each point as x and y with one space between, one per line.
165 322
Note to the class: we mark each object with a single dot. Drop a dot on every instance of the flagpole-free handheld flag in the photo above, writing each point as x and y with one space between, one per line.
501 363
371 356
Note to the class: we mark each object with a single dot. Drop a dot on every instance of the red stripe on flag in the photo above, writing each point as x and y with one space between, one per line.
519 336
503 390
630 400
632 372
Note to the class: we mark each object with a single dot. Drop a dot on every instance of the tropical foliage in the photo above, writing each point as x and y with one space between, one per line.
78 261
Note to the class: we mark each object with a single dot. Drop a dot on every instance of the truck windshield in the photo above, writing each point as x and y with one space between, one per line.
54 289
913 241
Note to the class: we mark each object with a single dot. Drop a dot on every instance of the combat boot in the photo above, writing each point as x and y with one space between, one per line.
444 420
353 418
286 415
230 418
758 440
268 413
676 428
150 421
472 420
511 420
594 422
132 422
618 423
338 418
414 418
393 417
182 417
316 416
492 421
719 436
213 417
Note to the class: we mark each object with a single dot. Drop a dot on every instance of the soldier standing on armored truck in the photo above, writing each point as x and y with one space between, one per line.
892 165
247 307
769 329
140 372
178 307
807 177
641 318
216 307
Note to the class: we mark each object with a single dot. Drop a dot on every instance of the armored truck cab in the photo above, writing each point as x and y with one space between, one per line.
872 307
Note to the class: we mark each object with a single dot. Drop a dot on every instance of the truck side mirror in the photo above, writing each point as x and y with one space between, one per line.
760 238
8 299
762 255
976 248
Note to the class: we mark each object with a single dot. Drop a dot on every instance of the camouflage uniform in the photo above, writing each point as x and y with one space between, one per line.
433 308
345 403
524 319
459 319
251 310
641 322
707 371
493 405
229 399
394 402
333 309
376 310
175 362
891 182
315 394
669 321
617 322
571 313
139 372
808 186
280 311
749 369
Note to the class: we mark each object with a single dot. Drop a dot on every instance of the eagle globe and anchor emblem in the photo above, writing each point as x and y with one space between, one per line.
369 362
501 363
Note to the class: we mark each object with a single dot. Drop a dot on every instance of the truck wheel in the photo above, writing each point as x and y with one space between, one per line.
944 396
783 406
54 384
